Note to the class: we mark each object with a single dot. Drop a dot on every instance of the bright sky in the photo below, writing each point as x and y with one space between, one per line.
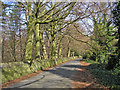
85 20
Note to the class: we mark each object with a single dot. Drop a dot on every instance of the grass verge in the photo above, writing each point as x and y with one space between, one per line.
13 71
107 78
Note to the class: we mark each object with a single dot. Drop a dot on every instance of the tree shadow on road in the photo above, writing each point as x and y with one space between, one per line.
69 71
76 73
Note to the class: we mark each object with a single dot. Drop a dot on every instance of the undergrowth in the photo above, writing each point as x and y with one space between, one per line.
14 71
107 78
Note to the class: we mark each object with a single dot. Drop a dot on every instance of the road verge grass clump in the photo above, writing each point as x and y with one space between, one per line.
14 70
107 78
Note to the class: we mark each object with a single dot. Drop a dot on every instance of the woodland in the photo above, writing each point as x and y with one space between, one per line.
49 32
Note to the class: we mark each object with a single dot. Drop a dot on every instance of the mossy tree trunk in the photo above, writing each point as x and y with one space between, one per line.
29 45
60 50
37 33
60 47
44 53
37 41
53 42
53 49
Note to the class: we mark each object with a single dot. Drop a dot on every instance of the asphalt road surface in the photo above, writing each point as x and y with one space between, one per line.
57 77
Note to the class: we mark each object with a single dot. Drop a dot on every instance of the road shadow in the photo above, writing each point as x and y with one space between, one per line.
29 83
64 71
67 71
72 66
74 73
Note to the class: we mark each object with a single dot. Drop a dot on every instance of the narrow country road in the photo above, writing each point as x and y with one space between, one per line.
57 77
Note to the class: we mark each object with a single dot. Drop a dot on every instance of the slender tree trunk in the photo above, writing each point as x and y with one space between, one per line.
57 47
48 42
13 45
21 49
69 51
3 39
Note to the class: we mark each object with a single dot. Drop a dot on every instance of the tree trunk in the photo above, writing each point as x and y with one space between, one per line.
53 49
44 53
29 45
37 41
13 45
60 50
69 52
57 47
21 49
3 39
60 47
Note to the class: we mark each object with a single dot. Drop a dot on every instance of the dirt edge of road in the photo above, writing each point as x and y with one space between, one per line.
84 79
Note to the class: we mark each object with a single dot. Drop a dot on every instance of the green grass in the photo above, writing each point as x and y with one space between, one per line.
105 77
18 69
